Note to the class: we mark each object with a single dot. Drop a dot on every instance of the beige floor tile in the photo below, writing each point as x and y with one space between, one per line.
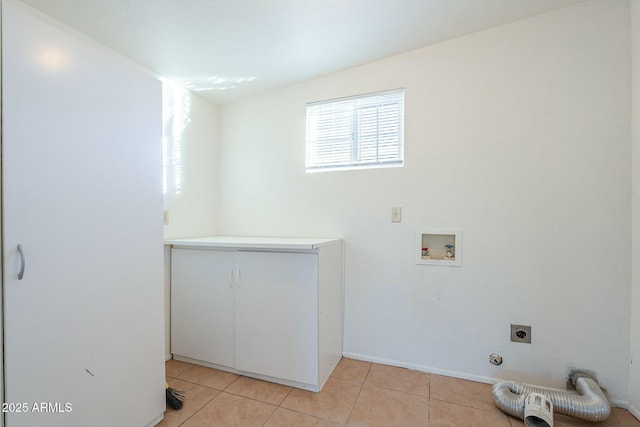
446 414
399 379
360 393
515 422
334 402
173 368
560 420
352 370
619 418
389 408
208 377
287 418
463 392
263 391
228 410
195 397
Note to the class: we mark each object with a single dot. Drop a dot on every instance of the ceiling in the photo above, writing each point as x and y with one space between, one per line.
229 49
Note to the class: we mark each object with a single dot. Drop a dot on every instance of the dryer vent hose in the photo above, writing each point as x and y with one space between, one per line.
588 402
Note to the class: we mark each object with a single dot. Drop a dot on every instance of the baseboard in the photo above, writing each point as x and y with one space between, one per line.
283 381
617 403
423 368
633 411
463 376
168 357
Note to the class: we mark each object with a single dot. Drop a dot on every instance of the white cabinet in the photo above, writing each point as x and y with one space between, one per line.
82 198
267 308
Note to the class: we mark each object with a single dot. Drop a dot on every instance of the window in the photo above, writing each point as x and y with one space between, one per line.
355 132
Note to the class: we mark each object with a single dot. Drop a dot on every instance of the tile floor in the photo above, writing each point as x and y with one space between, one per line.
357 394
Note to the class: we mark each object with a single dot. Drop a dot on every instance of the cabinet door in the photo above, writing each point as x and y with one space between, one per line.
277 315
82 196
202 305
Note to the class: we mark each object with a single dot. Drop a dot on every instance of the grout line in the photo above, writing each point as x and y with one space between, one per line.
359 393
269 417
200 384
275 405
229 385
285 397
200 409
275 408
466 405
429 402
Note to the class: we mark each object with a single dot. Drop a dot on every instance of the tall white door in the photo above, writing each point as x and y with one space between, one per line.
81 190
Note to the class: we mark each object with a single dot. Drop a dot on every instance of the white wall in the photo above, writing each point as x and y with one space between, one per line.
634 374
190 196
520 135
193 125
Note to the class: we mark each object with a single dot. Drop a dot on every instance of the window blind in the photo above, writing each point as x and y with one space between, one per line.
359 131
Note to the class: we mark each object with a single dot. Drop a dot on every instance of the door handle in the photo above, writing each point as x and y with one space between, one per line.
230 278
22 262
238 278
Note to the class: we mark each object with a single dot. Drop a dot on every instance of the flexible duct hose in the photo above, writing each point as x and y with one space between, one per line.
589 403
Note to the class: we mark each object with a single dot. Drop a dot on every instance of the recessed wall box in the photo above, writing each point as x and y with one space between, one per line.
439 246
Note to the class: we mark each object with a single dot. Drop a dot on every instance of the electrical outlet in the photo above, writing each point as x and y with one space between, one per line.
495 359
521 333
396 214
165 216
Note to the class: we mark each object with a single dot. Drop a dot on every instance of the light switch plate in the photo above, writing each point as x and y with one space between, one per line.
396 214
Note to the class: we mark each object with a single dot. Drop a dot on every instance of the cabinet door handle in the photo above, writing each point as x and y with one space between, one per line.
238 278
22 262
230 278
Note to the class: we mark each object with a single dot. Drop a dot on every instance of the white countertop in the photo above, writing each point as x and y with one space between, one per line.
245 242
